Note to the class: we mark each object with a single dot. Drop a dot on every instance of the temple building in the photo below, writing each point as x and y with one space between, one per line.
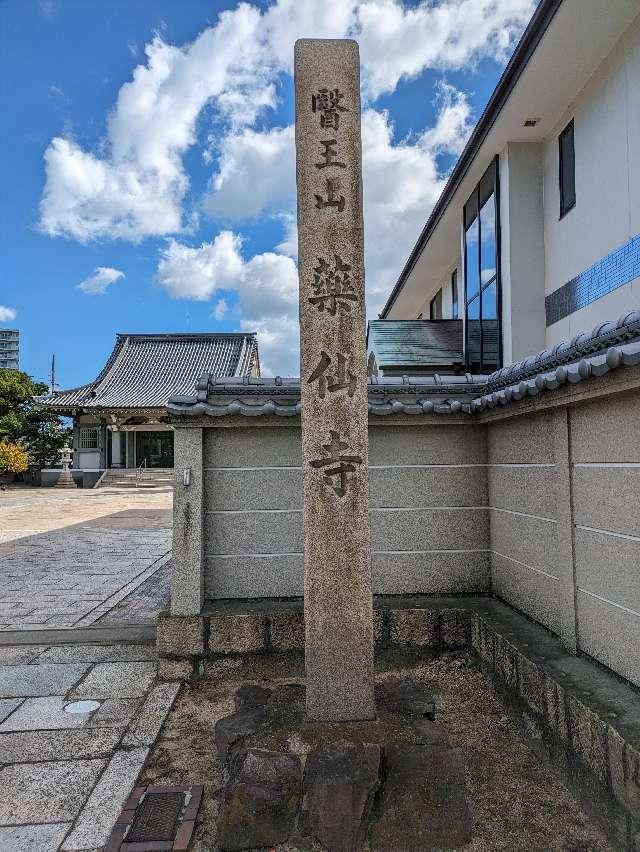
120 419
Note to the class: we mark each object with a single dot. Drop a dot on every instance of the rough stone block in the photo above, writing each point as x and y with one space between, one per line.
286 705
251 695
486 643
423 804
418 627
531 685
555 714
454 628
286 631
588 737
624 769
231 729
260 800
180 635
378 627
476 639
340 781
406 696
175 669
506 662
237 634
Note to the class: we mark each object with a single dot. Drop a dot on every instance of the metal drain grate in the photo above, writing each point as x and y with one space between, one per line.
156 818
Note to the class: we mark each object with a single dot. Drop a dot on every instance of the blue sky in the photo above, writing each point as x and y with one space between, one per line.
147 156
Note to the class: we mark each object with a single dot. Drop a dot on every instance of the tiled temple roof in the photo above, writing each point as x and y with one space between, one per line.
144 370
608 347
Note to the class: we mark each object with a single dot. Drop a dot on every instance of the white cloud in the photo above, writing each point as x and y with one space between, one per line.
98 283
219 309
399 42
136 188
135 184
401 184
266 285
256 174
7 314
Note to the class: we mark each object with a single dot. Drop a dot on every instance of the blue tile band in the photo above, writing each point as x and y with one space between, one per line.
614 270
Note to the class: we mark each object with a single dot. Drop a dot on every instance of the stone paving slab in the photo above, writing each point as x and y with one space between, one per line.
115 711
33 838
7 706
94 825
37 746
46 792
48 679
146 726
126 680
14 656
97 654
43 714
65 777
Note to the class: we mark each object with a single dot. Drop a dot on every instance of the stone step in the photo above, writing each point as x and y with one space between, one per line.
137 478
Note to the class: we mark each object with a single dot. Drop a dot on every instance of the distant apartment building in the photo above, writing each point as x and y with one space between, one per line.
9 348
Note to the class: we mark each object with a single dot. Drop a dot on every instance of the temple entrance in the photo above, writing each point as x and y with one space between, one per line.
154 448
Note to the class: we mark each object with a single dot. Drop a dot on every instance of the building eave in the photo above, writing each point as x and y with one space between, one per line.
527 45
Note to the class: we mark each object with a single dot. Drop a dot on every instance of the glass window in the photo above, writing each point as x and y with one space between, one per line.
482 283
567 169
454 295
471 259
89 439
435 306
490 343
473 333
488 238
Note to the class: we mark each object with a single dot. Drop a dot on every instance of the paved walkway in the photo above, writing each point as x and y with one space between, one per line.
65 775
71 559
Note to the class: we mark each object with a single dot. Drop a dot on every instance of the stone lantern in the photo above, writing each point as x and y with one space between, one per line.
65 480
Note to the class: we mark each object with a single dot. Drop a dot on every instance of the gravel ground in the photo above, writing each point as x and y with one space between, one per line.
518 800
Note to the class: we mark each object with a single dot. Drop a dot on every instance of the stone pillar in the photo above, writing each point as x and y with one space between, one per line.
187 574
565 529
338 601
115 449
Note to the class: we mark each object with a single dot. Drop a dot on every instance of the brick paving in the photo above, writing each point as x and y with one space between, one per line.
68 559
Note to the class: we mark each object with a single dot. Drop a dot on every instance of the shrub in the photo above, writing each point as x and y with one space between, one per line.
13 459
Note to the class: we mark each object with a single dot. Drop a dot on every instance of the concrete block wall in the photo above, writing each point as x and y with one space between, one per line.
524 523
564 498
537 503
605 449
429 519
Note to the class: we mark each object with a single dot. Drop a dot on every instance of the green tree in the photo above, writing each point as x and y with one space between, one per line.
22 421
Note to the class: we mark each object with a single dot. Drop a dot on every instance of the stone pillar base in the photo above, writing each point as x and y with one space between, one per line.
395 780
180 640
65 480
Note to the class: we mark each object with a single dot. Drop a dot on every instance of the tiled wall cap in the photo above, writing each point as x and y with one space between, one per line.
598 364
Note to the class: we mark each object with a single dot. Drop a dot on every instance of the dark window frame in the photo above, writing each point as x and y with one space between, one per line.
497 278
432 305
455 296
566 205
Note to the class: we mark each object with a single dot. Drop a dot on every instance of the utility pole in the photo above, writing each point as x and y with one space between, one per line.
53 373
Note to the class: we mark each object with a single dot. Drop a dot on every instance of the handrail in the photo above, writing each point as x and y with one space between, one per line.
142 465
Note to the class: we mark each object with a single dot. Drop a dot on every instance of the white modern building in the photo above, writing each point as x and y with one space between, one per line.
536 236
